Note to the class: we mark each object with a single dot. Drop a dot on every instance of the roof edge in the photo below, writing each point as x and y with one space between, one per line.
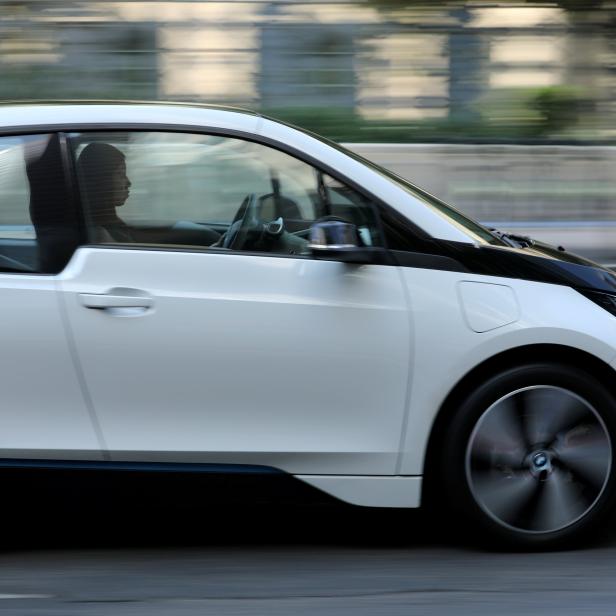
112 102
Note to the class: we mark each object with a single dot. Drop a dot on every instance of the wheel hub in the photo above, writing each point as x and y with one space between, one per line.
540 463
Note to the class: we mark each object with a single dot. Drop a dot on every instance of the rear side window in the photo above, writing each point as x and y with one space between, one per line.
37 229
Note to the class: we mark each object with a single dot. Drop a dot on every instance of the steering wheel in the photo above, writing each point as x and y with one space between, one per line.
237 234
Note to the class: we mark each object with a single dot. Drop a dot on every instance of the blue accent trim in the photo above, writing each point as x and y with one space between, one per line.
165 467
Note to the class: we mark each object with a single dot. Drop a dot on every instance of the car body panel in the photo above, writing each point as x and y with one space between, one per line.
293 363
44 410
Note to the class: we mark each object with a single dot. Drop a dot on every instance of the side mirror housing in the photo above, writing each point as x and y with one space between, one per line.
333 235
336 240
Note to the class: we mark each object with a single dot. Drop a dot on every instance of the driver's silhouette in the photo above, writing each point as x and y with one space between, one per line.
105 186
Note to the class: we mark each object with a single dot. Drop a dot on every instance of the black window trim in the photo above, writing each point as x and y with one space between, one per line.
70 179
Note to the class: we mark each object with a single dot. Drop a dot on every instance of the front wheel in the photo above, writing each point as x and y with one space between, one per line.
531 455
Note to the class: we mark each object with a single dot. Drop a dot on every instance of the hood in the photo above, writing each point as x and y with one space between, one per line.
540 262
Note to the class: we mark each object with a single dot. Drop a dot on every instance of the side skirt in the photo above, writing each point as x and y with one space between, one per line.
369 491
364 491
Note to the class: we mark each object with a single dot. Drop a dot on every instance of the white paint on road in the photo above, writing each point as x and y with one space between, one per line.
11 596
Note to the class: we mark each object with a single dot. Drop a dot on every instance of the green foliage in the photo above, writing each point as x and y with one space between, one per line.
568 5
509 114
558 106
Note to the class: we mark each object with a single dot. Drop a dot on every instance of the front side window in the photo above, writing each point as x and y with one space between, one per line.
37 230
473 229
205 191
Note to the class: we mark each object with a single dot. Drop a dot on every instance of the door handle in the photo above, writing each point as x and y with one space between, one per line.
103 301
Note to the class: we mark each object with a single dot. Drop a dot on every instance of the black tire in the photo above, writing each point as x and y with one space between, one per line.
528 458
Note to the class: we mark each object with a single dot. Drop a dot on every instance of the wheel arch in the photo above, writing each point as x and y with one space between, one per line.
534 353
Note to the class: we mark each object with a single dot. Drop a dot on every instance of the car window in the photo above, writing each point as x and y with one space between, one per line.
32 205
206 191
472 228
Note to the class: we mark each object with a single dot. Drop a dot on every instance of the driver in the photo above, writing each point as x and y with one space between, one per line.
105 186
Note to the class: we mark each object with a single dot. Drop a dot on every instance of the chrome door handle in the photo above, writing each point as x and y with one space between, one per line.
102 301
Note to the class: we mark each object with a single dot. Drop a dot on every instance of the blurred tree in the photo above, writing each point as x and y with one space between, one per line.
559 108
569 5
580 5
25 7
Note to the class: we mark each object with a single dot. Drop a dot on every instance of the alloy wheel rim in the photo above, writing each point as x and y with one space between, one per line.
538 459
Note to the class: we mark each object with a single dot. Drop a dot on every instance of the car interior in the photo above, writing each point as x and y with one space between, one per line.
270 222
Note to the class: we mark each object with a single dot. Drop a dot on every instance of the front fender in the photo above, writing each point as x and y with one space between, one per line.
446 348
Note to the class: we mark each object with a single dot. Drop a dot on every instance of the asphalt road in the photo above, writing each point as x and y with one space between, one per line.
103 551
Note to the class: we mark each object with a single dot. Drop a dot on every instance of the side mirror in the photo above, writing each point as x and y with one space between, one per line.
333 235
335 240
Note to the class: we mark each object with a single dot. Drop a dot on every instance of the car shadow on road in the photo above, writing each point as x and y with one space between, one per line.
122 509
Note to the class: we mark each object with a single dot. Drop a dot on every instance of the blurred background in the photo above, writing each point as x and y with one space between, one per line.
504 109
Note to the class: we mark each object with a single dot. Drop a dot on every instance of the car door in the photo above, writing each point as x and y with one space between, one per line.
43 412
201 342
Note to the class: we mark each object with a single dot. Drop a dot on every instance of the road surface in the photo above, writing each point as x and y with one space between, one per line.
100 551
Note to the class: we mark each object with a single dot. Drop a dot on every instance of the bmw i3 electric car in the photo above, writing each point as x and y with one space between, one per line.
191 285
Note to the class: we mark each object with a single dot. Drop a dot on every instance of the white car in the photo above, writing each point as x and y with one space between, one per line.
195 287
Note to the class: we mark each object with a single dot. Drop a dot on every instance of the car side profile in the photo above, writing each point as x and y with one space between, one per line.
193 285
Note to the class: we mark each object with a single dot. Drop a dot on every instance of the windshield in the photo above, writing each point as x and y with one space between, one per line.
478 232
474 229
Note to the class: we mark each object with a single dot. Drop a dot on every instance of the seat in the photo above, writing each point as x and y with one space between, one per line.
52 210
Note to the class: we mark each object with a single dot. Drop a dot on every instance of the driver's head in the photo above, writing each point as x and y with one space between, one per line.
102 170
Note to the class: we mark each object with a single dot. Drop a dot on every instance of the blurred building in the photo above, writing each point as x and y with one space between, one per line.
502 70
507 74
